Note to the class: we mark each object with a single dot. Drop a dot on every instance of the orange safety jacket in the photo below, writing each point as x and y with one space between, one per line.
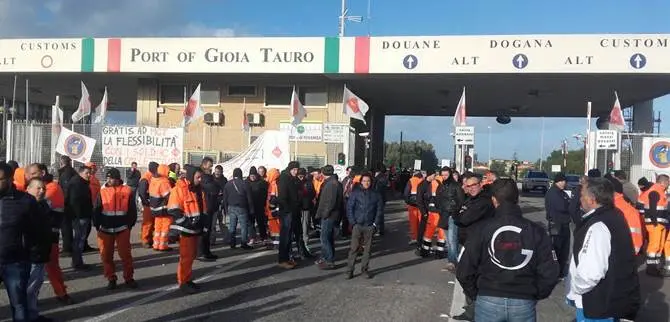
187 205
661 207
272 205
95 186
56 200
143 188
114 210
20 179
411 191
432 202
159 192
632 219
317 186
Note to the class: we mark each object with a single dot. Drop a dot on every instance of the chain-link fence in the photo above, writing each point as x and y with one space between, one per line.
632 153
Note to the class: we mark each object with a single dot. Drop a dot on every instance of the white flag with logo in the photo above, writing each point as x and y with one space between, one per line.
616 122
353 106
84 108
193 109
78 147
298 112
460 115
101 110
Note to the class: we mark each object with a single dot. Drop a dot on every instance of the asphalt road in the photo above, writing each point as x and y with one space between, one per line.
247 286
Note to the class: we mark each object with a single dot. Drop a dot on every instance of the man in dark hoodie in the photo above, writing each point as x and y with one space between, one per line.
239 204
221 181
330 210
65 173
289 208
79 205
259 195
556 204
211 190
307 195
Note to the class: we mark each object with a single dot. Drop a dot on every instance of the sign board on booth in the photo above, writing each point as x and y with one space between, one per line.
305 132
417 164
464 135
122 145
335 133
607 140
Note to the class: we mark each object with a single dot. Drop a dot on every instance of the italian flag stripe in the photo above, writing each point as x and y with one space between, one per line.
87 54
362 55
114 55
331 64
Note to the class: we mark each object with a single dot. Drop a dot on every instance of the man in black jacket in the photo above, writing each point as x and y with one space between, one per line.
381 185
17 235
330 210
65 174
423 199
603 278
289 208
509 264
133 176
450 198
238 202
556 204
79 205
212 199
40 249
259 195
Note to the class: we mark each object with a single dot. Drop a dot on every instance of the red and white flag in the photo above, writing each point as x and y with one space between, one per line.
245 119
298 112
101 110
460 115
616 115
353 106
84 108
193 109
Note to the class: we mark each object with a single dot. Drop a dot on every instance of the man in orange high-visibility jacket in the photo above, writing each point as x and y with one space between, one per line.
159 194
430 216
272 209
56 200
655 204
114 215
147 231
629 212
187 205
94 185
414 214
20 179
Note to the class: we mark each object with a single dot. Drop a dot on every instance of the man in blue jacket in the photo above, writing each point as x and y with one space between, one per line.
365 209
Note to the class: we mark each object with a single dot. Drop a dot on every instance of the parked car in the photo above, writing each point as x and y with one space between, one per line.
535 180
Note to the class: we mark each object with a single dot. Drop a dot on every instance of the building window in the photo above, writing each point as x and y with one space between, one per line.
172 94
313 96
210 96
242 90
278 95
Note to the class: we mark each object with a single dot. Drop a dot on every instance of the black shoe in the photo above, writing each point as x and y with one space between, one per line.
82 267
307 255
233 246
205 258
349 275
111 285
132 284
367 274
43 319
464 317
246 247
189 288
89 249
65 300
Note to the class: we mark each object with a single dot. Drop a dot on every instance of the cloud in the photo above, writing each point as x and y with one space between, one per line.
119 18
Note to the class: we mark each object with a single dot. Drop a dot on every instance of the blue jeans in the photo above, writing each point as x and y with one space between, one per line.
15 278
499 309
81 229
452 241
285 234
34 285
327 243
240 215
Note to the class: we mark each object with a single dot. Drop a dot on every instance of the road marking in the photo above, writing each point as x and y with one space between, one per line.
160 292
457 300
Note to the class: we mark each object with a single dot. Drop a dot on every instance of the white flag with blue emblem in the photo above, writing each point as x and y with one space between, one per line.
77 146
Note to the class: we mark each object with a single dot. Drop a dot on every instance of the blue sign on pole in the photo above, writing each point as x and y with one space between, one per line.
410 61
520 61
638 61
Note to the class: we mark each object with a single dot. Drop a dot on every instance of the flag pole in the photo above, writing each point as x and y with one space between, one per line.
27 101
16 77
587 147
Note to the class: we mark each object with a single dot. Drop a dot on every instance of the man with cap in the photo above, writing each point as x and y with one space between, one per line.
426 192
289 207
556 204
114 216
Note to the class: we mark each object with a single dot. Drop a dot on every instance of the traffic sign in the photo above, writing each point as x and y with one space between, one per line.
607 140
410 61
638 61
520 61
464 135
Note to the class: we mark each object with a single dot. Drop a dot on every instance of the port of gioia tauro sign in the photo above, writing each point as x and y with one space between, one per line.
123 145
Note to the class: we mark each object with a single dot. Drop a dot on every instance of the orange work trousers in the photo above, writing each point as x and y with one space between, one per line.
161 230
106 243
431 229
188 250
414 219
274 226
657 237
147 231
54 273
666 249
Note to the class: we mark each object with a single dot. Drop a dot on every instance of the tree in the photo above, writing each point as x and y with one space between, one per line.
574 160
411 150
499 167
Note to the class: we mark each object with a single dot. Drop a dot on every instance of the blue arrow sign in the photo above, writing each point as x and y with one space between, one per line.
410 61
638 61
520 61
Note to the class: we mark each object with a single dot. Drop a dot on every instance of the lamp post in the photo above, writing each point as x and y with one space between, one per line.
489 146
344 18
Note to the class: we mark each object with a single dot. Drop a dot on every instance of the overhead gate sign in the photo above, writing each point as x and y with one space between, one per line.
123 145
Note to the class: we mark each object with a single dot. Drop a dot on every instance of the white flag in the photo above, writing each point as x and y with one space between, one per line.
84 105
101 110
78 147
460 114
193 109
616 122
353 106
56 124
298 112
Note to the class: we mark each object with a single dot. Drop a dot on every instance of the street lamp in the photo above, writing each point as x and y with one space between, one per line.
344 17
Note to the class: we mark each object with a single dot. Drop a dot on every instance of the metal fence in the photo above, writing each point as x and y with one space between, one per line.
631 155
